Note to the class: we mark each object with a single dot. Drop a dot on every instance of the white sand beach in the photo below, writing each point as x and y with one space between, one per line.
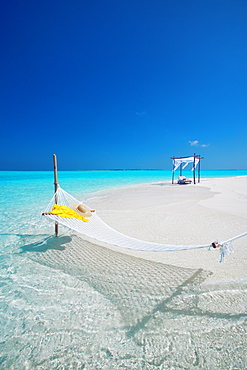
182 214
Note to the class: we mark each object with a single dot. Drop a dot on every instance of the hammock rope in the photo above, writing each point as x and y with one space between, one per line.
97 229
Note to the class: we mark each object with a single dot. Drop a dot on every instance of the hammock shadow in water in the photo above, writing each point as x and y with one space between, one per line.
51 242
138 288
163 310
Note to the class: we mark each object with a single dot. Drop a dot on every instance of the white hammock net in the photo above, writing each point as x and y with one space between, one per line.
99 230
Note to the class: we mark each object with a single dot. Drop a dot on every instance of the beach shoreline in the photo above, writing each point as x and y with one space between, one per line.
216 208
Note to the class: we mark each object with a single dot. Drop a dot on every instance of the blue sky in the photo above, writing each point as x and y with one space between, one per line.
123 83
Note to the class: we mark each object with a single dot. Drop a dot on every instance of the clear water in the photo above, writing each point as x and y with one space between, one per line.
68 304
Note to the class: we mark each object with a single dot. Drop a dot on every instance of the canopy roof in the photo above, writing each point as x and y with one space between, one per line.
185 161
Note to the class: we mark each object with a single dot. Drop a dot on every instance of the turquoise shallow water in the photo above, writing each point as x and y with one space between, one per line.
66 304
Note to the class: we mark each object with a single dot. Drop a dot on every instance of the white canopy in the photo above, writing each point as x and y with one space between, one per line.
186 160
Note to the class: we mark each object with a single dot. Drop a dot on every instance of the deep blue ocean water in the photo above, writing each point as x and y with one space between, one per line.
63 312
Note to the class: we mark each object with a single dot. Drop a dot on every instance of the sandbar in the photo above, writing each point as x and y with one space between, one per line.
182 214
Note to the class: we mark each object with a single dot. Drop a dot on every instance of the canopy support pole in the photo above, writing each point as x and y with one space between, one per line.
199 169
56 187
173 171
194 172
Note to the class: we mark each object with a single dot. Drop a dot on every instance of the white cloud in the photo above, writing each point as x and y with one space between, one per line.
196 143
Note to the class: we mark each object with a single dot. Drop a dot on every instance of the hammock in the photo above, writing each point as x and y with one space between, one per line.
99 230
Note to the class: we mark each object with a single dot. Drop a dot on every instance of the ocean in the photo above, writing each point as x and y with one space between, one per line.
69 304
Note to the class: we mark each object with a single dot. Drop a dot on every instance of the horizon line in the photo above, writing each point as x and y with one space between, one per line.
128 169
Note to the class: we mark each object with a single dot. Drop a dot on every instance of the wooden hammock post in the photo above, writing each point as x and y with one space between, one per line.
56 187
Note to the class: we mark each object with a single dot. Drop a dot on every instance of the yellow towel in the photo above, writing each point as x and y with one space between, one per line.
64 211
